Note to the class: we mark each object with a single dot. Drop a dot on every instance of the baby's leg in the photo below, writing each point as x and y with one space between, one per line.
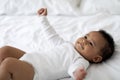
12 68
8 51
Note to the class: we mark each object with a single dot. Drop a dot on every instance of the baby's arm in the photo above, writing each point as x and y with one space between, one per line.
47 30
77 69
79 73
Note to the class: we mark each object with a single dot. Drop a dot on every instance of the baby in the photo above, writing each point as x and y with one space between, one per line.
64 60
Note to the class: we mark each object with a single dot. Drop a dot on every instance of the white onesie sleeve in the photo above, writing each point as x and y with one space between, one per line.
49 33
80 62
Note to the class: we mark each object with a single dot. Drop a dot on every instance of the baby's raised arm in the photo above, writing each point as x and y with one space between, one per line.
48 31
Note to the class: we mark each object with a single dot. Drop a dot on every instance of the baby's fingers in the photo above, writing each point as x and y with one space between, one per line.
40 11
83 72
44 12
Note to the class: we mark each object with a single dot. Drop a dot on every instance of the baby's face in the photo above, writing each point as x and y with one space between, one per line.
90 46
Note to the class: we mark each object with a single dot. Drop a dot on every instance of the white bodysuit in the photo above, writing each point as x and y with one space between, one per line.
58 62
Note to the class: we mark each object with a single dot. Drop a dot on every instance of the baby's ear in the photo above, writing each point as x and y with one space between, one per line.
97 59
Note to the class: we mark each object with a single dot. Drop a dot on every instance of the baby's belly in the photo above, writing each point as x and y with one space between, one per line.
44 67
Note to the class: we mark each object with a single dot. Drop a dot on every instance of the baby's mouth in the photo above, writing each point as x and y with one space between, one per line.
81 46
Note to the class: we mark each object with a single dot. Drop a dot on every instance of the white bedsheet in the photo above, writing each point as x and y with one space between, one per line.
19 27
24 33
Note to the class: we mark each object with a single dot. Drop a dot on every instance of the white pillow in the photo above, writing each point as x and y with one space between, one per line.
59 7
95 6
30 7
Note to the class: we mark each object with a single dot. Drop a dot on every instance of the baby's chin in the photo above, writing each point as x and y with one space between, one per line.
79 46
78 50
85 57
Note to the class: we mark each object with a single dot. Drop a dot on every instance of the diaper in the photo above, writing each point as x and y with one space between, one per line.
29 59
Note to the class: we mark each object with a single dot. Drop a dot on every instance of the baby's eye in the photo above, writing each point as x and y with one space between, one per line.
85 37
91 43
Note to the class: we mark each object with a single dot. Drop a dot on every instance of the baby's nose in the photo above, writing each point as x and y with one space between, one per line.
85 42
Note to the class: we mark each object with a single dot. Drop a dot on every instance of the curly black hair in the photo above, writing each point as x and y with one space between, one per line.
109 48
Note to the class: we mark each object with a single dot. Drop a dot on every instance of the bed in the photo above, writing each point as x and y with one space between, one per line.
20 27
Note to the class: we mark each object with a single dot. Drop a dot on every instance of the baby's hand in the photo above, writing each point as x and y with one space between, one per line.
42 12
79 74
